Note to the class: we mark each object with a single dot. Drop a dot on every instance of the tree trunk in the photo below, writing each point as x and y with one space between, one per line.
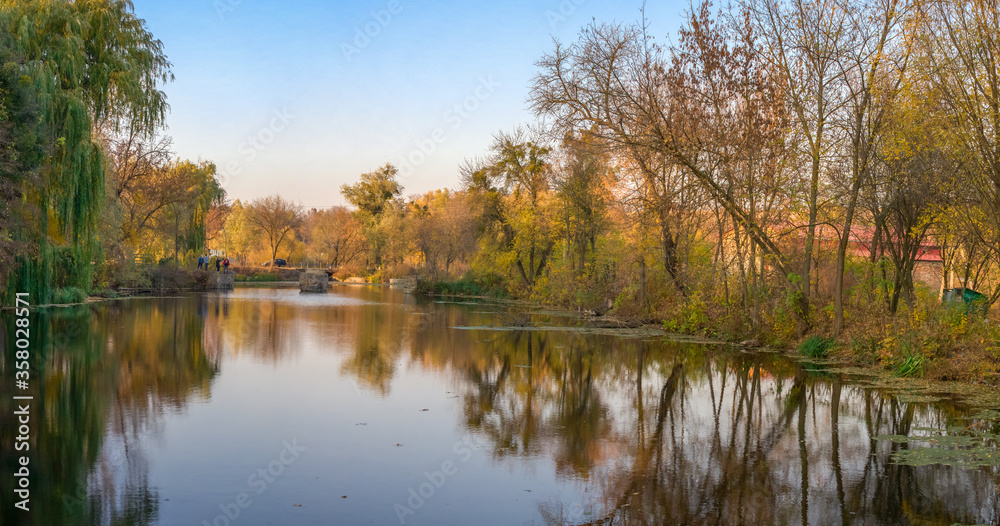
802 320
845 238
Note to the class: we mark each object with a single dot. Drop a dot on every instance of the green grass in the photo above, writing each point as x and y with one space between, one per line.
816 347
462 287
458 288
912 365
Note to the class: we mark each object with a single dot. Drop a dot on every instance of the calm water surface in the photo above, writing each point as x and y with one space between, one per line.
367 406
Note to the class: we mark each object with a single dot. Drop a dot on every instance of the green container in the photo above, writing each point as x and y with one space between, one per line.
975 302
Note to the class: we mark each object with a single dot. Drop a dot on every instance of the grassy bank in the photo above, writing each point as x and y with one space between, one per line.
929 340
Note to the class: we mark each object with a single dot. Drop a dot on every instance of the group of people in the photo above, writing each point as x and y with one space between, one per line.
220 264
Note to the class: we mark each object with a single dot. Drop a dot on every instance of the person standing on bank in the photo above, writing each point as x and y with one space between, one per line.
201 262
218 263
225 264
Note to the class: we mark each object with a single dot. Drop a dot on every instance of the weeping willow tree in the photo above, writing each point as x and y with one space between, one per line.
18 149
89 65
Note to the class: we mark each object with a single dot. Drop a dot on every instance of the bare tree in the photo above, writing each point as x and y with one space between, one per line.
874 68
335 235
276 218
805 42
699 112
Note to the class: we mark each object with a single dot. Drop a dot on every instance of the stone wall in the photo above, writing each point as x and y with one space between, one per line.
220 280
313 281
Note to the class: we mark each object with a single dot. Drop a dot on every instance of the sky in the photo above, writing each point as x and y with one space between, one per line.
299 97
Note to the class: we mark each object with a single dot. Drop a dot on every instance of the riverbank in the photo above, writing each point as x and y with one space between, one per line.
932 341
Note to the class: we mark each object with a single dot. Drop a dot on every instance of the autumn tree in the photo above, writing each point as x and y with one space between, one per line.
512 188
276 218
137 163
702 116
960 60
443 228
584 181
371 195
456 229
335 236
805 42
874 70
242 235
184 221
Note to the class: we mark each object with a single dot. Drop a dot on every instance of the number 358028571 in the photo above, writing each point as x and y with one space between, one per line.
22 333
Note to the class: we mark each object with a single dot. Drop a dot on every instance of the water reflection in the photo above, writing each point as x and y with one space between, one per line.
103 376
637 431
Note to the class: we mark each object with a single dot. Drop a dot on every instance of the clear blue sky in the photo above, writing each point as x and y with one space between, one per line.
299 97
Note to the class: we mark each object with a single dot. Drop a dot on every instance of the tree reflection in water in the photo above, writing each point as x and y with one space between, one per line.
644 431
104 375
680 434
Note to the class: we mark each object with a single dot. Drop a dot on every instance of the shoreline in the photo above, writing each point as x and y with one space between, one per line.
836 357
836 361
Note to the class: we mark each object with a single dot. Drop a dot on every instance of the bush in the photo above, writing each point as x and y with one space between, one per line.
459 288
816 347
692 317
167 278
463 287
342 273
124 274
865 349
69 295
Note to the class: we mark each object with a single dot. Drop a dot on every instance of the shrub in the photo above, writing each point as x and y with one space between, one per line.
167 278
692 317
459 288
912 364
200 278
462 287
865 349
69 295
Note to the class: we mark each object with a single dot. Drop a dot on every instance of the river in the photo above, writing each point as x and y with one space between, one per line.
265 406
